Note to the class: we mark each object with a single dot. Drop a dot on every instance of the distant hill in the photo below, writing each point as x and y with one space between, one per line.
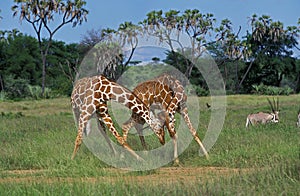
146 53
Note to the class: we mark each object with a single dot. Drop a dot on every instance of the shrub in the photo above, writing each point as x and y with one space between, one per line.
271 90
36 92
16 88
3 96
201 91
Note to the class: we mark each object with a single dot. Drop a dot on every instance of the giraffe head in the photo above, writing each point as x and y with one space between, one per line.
158 126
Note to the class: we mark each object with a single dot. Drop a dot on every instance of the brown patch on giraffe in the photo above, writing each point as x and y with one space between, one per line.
112 96
117 90
97 86
140 108
101 110
130 105
90 108
104 81
89 99
131 98
121 99
163 94
102 88
108 89
97 95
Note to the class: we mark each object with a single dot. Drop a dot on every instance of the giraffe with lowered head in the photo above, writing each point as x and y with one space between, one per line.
97 91
167 92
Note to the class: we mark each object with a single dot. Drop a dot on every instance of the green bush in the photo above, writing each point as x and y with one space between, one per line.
271 90
36 92
3 96
16 88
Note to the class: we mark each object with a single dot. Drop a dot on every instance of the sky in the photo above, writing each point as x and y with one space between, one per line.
111 13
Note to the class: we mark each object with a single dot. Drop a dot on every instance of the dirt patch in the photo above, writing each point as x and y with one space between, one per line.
22 172
162 175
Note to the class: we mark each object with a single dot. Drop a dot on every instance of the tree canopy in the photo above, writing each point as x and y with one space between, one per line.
40 14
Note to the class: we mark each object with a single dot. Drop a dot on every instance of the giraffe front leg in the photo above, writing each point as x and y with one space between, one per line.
170 124
139 129
173 135
187 120
109 123
201 146
101 128
176 159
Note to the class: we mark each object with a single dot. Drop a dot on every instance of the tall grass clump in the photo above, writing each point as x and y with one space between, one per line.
35 92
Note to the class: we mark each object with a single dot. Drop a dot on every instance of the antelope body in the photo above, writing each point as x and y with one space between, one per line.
262 117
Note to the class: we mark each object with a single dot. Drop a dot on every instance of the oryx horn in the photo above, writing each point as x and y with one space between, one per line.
272 107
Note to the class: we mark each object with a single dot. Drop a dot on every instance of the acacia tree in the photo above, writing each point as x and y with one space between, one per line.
40 14
126 36
171 27
270 46
90 39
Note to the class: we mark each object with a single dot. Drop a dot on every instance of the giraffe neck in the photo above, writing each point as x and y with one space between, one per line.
112 90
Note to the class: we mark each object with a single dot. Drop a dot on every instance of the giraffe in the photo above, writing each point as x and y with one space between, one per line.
169 94
97 91
77 98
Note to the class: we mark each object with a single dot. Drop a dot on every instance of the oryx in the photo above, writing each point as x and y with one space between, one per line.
262 117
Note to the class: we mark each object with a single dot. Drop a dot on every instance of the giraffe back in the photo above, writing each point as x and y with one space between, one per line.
180 98
153 92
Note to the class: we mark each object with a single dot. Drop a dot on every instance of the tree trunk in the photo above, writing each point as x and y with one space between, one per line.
43 74
1 83
189 70
237 90
244 77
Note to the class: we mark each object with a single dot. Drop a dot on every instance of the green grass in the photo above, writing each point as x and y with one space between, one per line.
38 136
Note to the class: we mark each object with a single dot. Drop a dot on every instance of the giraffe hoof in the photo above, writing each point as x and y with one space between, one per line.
177 163
207 156
140 159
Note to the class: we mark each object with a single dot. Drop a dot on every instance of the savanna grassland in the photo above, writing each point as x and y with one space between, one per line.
37 140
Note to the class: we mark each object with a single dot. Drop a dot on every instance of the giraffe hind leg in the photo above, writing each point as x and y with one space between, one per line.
84 118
